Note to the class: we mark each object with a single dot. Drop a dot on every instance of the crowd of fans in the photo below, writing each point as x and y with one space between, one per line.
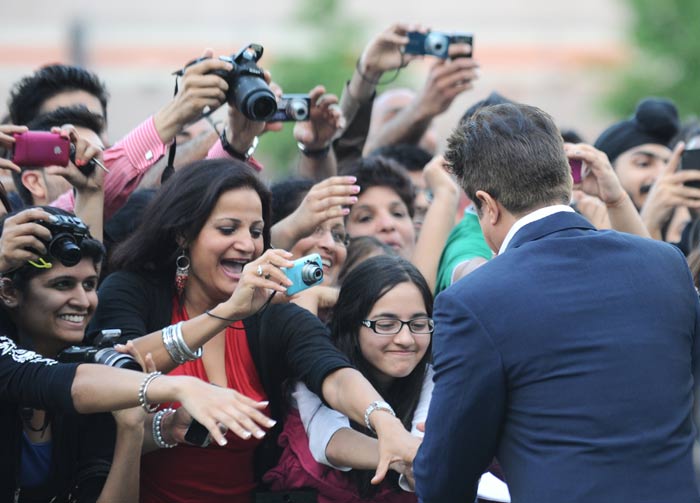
177 264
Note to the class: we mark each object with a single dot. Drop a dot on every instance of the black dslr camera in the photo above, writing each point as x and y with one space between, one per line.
102 352
66 235
247 88
292 107
435 43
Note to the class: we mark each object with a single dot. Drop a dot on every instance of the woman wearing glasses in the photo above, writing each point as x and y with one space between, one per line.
382 322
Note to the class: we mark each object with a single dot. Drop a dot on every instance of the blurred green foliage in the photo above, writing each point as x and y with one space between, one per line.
667 62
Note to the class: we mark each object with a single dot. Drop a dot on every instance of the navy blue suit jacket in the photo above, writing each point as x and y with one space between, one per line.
570 357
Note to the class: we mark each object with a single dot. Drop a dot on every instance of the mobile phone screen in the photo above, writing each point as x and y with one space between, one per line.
576 165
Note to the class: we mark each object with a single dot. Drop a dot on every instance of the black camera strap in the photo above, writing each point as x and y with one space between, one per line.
170 167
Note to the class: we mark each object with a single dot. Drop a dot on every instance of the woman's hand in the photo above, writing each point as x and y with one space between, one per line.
7 141
259 279
23 239
214 407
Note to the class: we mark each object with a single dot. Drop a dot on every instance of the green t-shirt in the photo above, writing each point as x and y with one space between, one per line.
465 242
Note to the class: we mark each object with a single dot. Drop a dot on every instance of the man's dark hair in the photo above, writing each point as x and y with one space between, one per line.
514 153
411 157
29 94
78 116
377 171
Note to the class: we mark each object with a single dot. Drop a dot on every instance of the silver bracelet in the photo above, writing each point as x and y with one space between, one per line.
158 429
143 389
168 334
377 405
182 345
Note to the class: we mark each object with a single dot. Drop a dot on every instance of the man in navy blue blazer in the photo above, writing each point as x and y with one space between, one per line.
570 356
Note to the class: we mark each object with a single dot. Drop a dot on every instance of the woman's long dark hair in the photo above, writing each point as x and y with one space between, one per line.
179 211
362 288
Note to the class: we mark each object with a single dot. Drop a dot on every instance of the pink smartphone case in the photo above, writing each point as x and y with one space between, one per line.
38 149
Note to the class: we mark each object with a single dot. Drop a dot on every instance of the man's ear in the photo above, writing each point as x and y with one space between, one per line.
9 296
34 183
490 208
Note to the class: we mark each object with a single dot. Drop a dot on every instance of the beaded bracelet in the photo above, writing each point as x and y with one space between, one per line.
158 429
143 389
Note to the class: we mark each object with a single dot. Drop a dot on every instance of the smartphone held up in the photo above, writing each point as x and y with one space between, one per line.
40 149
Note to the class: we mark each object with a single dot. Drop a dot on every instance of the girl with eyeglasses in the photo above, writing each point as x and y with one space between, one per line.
382 323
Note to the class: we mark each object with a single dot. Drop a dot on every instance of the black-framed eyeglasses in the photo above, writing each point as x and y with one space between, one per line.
392 326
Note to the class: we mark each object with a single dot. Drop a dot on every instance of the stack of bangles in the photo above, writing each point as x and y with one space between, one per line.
175 345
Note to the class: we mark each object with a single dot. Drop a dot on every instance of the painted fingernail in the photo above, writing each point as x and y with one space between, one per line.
246 434
265 403
353 199
352 179
259 434
223 442
271 423
355 189
345 211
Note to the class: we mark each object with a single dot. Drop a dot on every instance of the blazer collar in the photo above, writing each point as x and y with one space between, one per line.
548 225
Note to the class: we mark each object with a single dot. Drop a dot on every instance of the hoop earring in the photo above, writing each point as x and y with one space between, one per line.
183 269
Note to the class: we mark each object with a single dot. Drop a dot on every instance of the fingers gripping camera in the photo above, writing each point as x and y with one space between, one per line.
247 89
306 272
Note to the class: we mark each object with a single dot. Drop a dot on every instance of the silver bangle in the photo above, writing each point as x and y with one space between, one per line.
158 429
168 334
182 346
377 405
143 389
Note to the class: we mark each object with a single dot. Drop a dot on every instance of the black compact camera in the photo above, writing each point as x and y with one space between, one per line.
102 352
67 233
691 160
292 107
435 43
247 89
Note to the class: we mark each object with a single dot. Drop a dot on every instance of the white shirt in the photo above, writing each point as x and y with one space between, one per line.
532 217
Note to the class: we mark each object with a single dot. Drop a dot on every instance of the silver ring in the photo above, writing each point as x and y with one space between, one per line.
259 270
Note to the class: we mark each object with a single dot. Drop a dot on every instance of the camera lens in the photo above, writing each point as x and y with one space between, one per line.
311 273
298 109
436 44
65 249
113 358
253 98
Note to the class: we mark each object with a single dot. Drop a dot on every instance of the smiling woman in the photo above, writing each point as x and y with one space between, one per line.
47 303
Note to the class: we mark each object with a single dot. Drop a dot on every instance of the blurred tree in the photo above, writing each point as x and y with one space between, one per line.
668 59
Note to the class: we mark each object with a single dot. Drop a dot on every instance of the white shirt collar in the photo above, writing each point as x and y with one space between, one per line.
532 217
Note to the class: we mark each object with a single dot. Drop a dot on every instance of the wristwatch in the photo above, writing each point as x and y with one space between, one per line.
374 406
315 153
233 153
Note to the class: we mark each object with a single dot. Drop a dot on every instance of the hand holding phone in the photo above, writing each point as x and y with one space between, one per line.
40 149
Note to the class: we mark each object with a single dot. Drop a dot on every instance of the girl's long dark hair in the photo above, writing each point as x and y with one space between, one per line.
179 211
362 288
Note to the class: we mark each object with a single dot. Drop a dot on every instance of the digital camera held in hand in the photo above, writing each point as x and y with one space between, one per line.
306 272
67 233
247 89
292 107
102 352
435 43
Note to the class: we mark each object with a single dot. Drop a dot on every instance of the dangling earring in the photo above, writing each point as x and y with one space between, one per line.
183 270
